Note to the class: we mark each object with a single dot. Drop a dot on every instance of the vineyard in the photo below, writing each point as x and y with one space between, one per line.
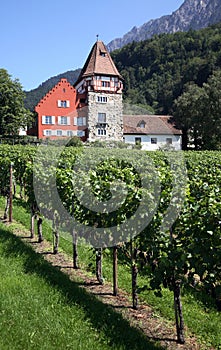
158 214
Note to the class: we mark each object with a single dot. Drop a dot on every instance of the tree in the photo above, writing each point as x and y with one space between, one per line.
211 122
188 113
197 113
13 114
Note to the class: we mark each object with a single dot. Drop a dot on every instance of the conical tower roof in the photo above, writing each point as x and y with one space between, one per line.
99 62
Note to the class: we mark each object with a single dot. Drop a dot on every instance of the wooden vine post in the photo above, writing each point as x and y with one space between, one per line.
99 265
39 228
10 192
134 272
177 303
75 250
115 276
55 233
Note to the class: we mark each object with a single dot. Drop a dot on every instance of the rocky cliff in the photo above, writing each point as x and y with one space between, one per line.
192 14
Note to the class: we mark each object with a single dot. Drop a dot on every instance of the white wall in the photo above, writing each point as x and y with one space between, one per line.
22 131
161 141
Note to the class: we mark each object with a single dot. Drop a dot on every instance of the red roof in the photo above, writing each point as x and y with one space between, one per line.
149 124
99 62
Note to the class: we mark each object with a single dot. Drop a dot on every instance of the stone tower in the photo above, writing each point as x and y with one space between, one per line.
99 88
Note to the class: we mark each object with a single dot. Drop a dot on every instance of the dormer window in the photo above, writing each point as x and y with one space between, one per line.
102 53
141 124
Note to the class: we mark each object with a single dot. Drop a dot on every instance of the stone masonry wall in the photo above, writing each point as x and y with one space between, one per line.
114 119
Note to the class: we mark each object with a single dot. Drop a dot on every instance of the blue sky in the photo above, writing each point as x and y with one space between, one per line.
43 38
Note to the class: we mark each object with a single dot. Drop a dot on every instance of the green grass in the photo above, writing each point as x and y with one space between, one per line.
200 313
40 308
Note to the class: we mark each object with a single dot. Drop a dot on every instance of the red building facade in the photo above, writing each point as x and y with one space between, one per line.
91 109
58 114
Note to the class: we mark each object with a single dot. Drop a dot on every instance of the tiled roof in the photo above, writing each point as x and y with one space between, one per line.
99 62
153 124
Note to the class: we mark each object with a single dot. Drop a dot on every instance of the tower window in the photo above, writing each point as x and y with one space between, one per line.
101 117
102 99
102 131
105 83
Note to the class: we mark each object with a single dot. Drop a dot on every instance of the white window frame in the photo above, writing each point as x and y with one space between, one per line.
101 118
102 99
59 132
102 131
44 119
80 121
169 141
70 133
105 83
63 103
138 140
153 140
47 132
63 120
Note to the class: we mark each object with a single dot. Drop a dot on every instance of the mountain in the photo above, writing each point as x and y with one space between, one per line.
157 71
35 95
192 14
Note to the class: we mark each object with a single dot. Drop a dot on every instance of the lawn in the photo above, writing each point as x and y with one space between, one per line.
40 308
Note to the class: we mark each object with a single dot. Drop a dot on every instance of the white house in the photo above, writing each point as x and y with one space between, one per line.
152 132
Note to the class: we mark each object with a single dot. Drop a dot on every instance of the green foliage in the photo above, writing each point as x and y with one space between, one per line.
174 67
197 113
75 142
13 115
156 70
184 250
201 316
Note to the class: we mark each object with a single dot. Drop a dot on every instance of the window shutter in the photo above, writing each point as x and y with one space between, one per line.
59 120
59 103
75 121
68 103
43 119
84 121
53 119
68 121
44 132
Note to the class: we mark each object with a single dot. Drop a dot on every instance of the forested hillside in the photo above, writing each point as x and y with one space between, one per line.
156 70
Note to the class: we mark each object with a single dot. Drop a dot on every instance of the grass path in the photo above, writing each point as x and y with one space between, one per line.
42 308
